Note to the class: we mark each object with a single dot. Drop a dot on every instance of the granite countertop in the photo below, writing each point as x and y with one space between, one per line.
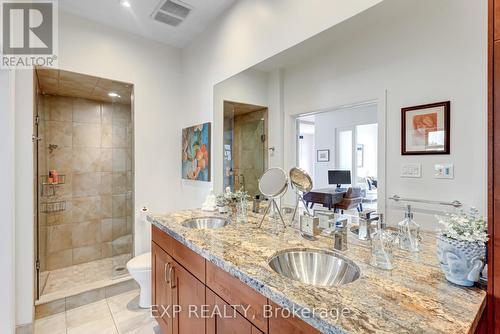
413 298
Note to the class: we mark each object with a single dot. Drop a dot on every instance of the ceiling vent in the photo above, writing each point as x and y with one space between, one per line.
171 12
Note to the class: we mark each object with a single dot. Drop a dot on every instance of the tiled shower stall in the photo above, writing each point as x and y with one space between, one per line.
85 218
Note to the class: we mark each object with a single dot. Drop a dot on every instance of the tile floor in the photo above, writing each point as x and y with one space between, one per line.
119 314
75 279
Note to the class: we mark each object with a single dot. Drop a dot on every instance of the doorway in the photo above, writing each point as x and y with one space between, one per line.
345 139
84 179
245 146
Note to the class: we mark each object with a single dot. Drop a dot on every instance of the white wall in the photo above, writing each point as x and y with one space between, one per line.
325 135
24 200
425 51
7 205
251 31
154 69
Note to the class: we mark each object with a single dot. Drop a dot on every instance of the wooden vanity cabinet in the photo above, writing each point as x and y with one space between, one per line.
182 277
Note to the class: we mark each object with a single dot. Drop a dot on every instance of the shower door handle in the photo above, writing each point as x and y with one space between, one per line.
35 138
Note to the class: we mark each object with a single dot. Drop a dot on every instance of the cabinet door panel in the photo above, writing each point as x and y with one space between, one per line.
162 295
235 292
189 294
225 320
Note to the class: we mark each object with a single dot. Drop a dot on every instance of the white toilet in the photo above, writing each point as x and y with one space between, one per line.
140 269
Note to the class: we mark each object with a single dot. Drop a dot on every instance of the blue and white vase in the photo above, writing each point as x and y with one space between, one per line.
461 261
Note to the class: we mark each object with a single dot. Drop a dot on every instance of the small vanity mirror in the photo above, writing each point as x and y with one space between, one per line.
300 180
273 184
303 184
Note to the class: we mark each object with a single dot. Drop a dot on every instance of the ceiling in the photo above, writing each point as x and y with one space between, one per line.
65 83
137 19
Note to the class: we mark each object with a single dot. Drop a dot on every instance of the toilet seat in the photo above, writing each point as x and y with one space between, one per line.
140 263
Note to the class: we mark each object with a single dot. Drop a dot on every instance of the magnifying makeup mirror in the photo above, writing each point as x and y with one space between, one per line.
303 184
273 184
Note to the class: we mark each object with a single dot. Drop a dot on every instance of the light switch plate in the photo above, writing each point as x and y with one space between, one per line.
444 171
413 170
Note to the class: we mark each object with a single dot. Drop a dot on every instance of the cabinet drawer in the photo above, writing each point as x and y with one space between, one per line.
235 292
193 262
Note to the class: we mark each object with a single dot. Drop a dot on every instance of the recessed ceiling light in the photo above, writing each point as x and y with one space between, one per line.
113 94
125 3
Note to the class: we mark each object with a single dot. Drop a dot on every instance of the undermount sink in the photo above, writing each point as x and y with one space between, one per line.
206 222
315 267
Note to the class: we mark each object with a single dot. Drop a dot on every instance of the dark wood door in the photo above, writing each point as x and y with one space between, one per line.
162 294
189 296
224 319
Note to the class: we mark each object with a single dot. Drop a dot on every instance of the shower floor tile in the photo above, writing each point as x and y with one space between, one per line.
83 277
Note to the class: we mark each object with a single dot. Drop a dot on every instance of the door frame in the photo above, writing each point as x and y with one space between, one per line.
291 131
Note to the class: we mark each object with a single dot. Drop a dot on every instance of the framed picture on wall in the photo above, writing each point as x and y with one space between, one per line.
425 129
196 152
323 155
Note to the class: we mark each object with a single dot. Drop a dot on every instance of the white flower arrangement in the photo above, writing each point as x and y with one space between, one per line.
463 226
229 197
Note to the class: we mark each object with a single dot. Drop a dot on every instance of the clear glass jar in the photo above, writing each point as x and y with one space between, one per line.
409 233
241 211
382 244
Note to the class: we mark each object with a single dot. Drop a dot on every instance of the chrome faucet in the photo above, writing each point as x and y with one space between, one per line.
340 236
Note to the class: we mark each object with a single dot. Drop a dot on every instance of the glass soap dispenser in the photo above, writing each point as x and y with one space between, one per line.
409 232
382 243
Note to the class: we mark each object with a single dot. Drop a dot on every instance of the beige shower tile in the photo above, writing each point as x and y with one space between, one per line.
86 184
51 308
107 249
120 183
106 160
86 135
58 238
86 233
86 111
119 135
119 160
58 218
119 205
122 245
59 259
106 185
121 114
106 229
59 133
86 208
86 254
106 135
86 159
61 160
119 227
106 206
60 108
107 113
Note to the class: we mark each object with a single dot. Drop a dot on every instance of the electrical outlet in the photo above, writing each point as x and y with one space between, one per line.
413 170
444 171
